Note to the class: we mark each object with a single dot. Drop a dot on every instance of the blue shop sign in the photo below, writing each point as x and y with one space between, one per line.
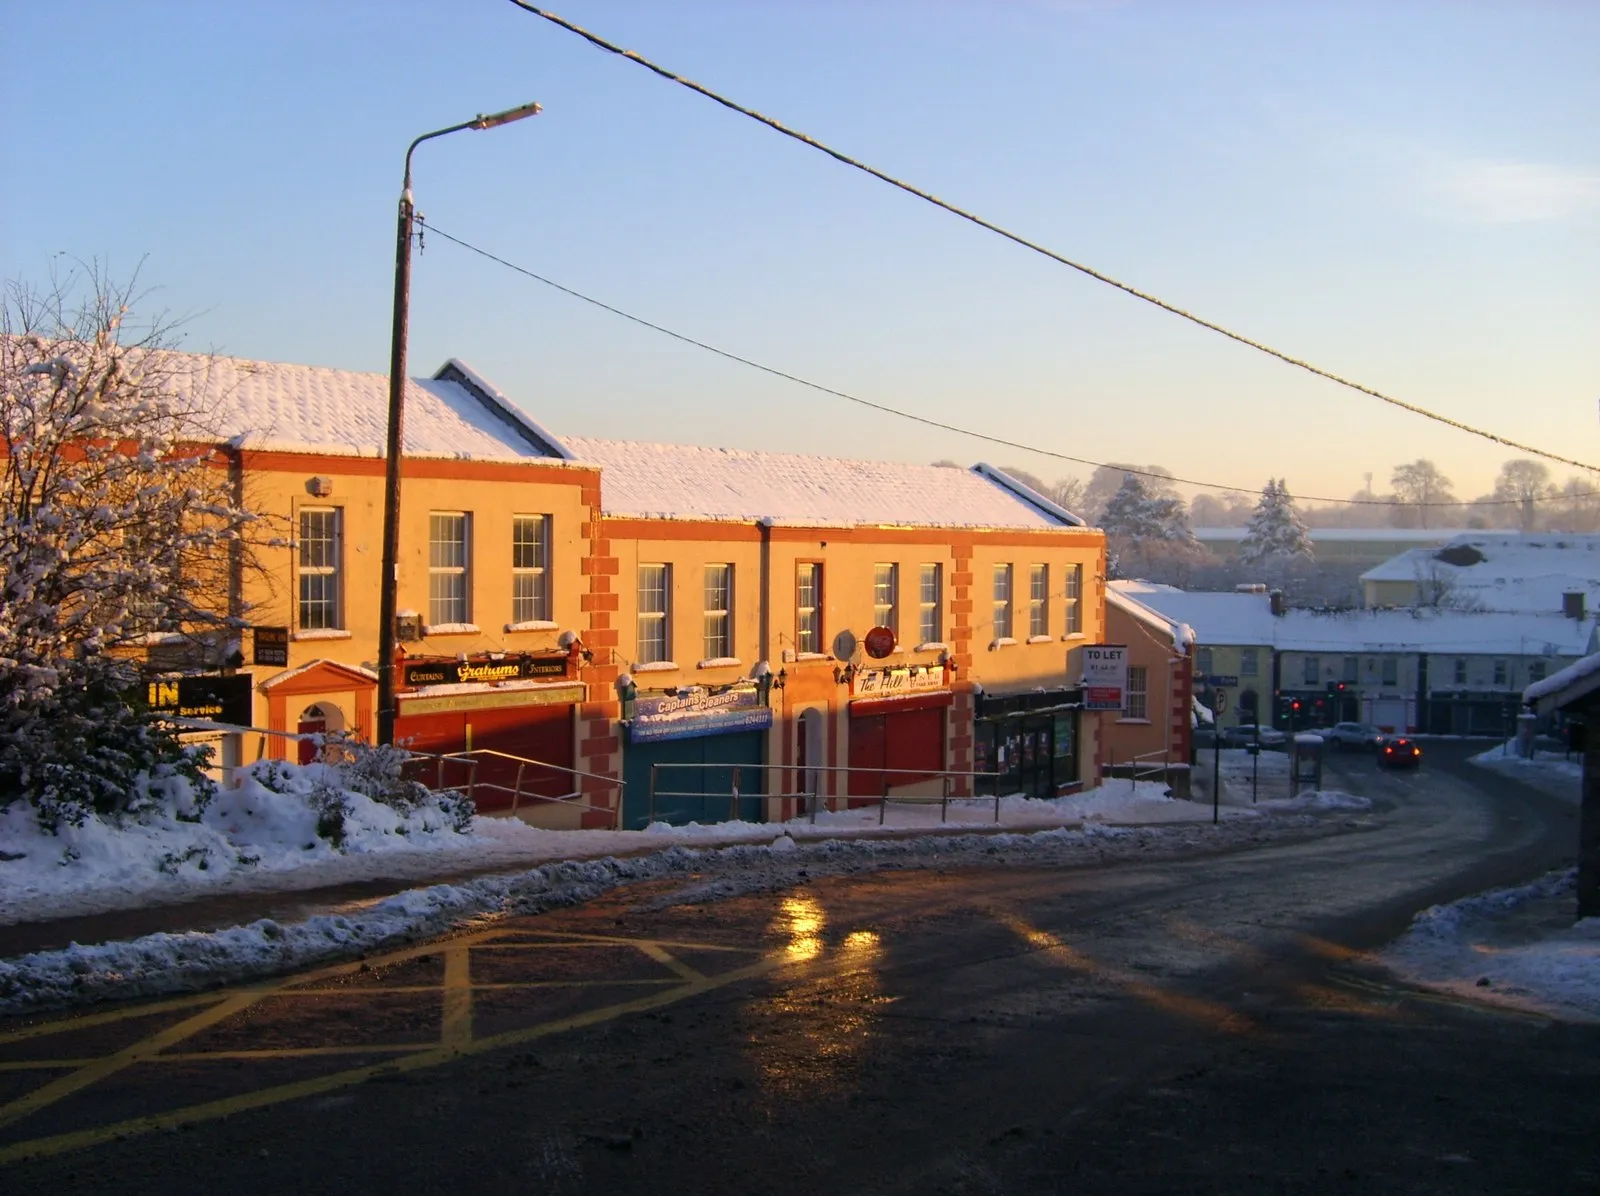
690 715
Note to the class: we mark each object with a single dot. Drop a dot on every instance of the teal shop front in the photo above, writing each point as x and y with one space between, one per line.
695 756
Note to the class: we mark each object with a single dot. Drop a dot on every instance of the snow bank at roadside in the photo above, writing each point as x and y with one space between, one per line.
1548 771
1516 947
255 840
305 819
170 963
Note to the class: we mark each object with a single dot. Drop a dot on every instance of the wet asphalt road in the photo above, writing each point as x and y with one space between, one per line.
1195 1026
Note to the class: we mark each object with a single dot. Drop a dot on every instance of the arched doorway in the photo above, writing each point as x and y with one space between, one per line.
319 718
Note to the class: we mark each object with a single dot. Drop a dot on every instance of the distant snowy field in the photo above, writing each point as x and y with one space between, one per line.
1517 947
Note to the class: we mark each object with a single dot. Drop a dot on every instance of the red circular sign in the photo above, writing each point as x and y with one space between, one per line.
879 642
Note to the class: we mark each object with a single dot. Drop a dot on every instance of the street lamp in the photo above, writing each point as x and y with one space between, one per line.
396 434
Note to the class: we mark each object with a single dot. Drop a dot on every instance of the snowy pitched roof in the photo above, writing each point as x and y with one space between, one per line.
1218 617
674 481
1504 571
1563 688
307 408
1243 619
1181 634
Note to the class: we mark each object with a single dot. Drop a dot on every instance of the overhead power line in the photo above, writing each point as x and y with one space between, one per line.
1017 238
923 419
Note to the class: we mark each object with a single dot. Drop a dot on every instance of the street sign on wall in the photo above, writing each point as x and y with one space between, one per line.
1105 676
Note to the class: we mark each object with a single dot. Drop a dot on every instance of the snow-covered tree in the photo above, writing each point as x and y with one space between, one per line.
119 521
1147 533
1129 514
1275 537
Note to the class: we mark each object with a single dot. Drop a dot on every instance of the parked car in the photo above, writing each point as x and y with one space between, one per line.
1244 734
1346 736
1396 751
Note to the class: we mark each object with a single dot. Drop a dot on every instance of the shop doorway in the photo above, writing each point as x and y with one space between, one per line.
808 752
320 718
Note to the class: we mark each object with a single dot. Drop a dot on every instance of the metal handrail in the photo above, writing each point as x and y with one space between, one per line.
1135 772
517 793
944 775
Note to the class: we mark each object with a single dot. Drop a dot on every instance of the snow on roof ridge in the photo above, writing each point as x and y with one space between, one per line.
1027 493
492 395
777 488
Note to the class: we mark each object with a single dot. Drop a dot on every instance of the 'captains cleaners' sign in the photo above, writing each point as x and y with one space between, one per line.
1105 676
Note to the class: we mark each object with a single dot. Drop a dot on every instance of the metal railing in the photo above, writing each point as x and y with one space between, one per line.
944 776
527 767
1146 765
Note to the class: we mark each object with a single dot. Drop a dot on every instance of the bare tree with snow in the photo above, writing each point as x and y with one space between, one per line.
122 522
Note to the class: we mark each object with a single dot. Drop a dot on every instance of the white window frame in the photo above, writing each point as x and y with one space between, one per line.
439 570
1138 697
1249 662
717 626
1502 671
1312 670
332 572
886 596
655 620
1038 600
1000 606
1074 600
1461 670
930 603
808 618
1389 668
530 570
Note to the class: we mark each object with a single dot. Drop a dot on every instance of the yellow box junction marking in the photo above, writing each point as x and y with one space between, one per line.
456 1037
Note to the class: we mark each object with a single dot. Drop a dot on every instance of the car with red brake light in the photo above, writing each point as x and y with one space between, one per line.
1396 751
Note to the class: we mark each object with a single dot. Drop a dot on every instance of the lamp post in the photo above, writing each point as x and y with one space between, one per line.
396 431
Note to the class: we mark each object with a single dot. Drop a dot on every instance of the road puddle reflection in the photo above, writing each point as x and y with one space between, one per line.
800 918
810 1038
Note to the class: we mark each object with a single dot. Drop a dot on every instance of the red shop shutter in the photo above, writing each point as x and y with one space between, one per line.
914 745
866 751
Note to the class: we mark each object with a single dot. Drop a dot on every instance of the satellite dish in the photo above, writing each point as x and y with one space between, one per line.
844 645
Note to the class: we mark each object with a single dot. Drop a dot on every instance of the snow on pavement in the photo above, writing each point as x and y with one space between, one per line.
1517 947
170 963
1552 772
253 840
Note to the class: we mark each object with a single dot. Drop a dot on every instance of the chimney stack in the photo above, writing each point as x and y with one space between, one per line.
1276 597
1572 605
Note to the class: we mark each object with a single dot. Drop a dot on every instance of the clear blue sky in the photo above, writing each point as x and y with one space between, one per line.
1407 193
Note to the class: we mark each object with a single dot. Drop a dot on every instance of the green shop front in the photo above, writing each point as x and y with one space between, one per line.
1031 739
694 755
